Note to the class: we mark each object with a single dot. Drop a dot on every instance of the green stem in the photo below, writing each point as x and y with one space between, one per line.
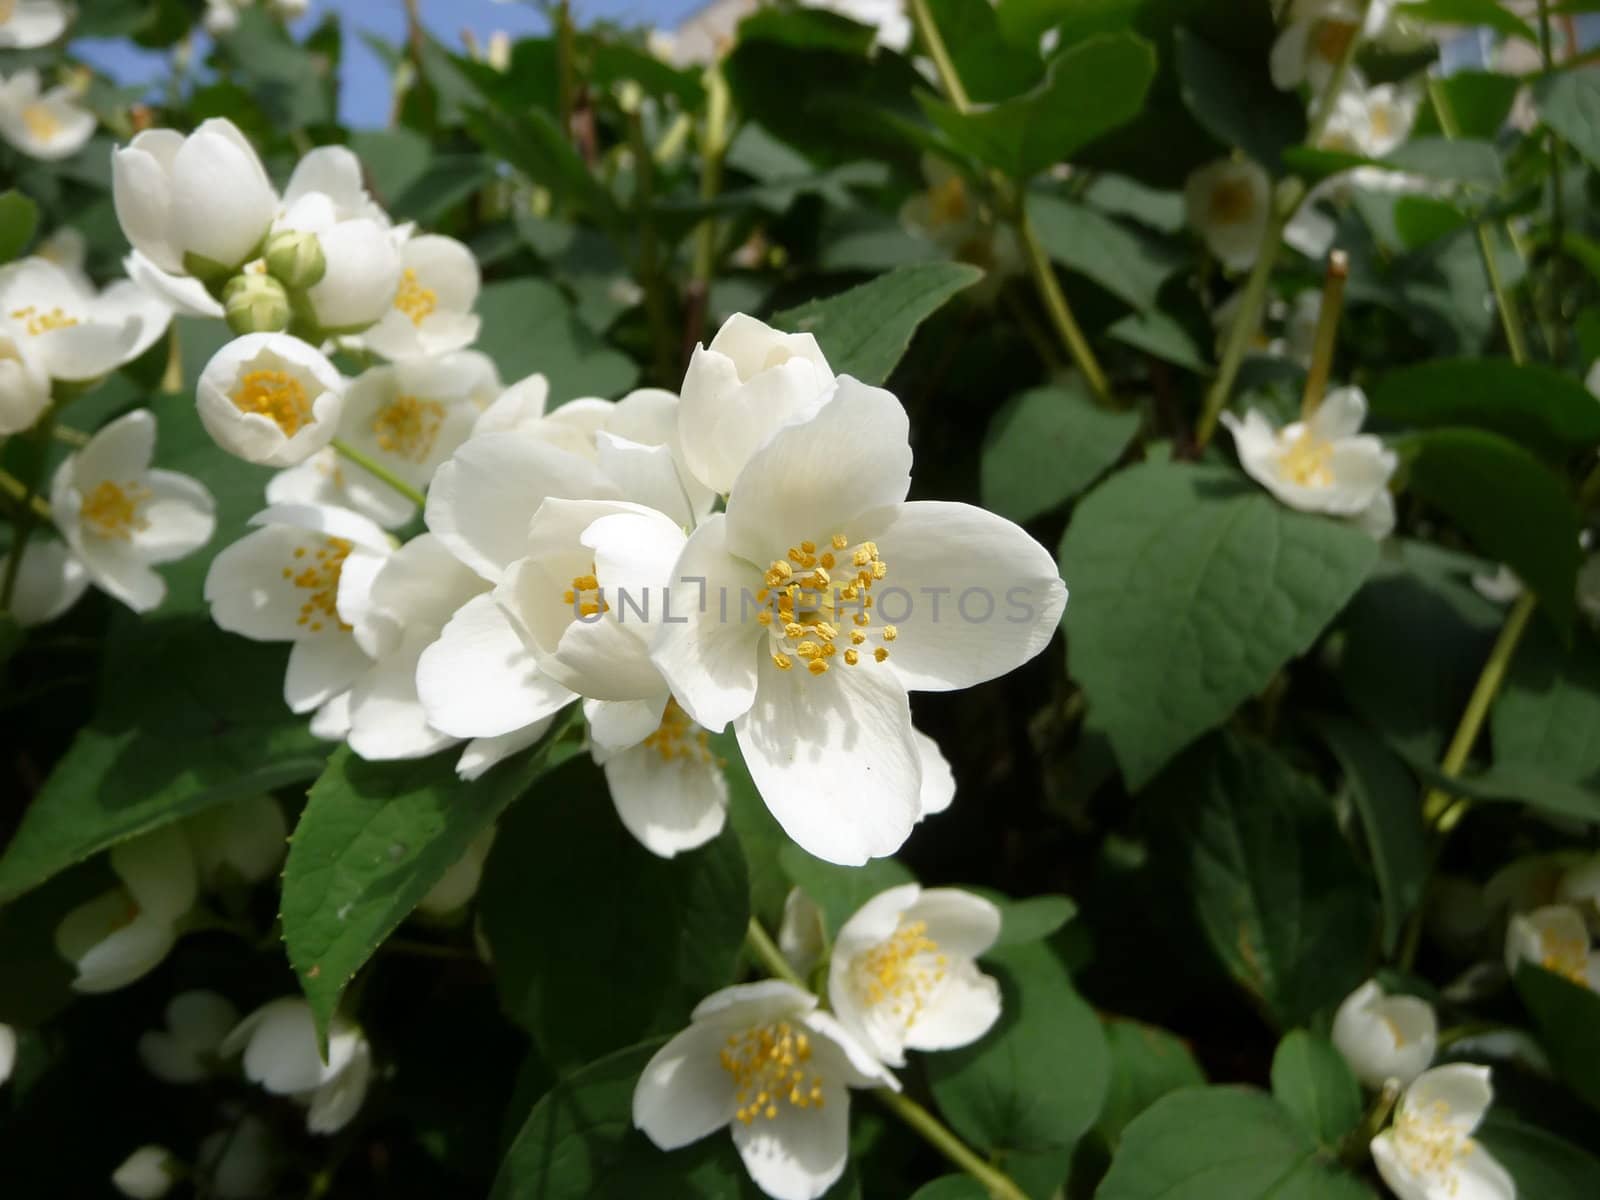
933 42
371 465
1355 1148
655 300
713 147
565 87
919 1119
18 491
1558 199
27 516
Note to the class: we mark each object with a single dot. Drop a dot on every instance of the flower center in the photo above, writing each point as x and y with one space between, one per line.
37 322
1232 202
8 9
1429 1145
903 971
1382 122
409 427
767 1063
584 596
678 737
808 597
949 202
317 574
1306 461
112 510
1566 956
417 302
1332 40
40 121
276 395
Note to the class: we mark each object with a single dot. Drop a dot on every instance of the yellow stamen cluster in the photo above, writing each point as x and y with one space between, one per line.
417 302
37 322
409 427
767 1064
584 595
318 574
112 510
40 122
1232 201
1430 1145
902 971
276 395
678 737
807 595
1306 462
948 202
1566 956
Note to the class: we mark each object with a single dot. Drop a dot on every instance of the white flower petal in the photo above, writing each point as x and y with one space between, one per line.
684 1093
321 668
938 781
799 1154
669 805
480 680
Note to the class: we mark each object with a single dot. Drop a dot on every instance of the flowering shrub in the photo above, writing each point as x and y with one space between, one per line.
676 621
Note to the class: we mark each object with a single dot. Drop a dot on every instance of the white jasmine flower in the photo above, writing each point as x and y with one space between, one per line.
240 1163
198 205
147 1174
1372 121
271 399
1502 587
71 332
739 390
432 310
946 212
802 934
187 1050
120 518
49 582
1317 36
1429 1153
1385 1037
888 17
124 933
29 24
1554 937
300 578
820 598
1229 204
241 842
410 418
903 973
458 885
48 125
762 1059
1322 465
8 1051
279 1041
24 382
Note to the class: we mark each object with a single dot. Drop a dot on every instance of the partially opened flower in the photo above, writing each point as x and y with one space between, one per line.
1322 465
24 382
1554 937
750 381
71 332
242 842
271 399
49 582
409 418
147 1174
290 581
1429 1153
29 24
1229 205
46 125
121 518
200 205
432 310
279 1041
760 1058
820 598
1385 1037
802 933
1318 36
124 933
904 976
187 1050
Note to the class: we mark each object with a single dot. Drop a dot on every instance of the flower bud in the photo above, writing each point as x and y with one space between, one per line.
295 259
256 304
1385 1037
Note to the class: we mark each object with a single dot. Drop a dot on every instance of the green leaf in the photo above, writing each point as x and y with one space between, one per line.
1161 334
1547 717
1130 265
1279 897
990 67
1236 101
866 331
19 220
189 717
1311 1079
528 327
374 838
1190 589
1458 159
760 836
1147 1063
625 943
1038 1079
1033 919
1048 444
1514 508
1568 1018
1207 1143
394 159
1542 408
1385 796
1542 1164
1480 101
1471 12
1090 89
952 1187
1569 103
840 891
534 144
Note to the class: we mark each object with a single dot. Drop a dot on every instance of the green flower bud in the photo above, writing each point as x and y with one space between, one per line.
295 259
256 304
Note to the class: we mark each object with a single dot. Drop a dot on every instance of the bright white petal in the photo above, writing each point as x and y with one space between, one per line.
669 805
684 1093
480 680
